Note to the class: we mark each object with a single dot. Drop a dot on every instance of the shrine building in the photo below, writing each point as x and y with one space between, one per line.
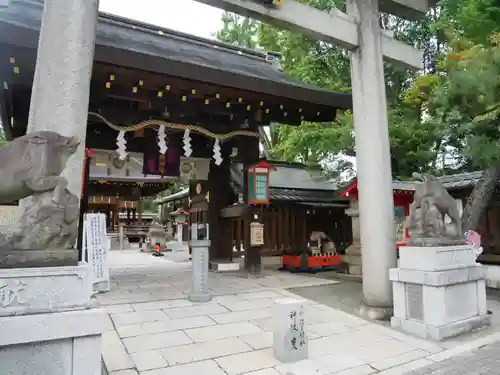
165 106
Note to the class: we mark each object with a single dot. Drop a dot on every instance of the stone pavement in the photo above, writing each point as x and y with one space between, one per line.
154 330
484 360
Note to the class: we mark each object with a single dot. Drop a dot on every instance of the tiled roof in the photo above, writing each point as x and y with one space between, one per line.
461 180
302 195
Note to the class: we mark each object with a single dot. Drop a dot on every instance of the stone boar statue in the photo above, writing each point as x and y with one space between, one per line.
33 164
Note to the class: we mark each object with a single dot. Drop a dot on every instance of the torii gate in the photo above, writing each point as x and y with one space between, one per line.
359 32
61 88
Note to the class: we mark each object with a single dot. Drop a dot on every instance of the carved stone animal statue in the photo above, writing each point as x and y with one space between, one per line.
46 233
325 243
432 188
33 164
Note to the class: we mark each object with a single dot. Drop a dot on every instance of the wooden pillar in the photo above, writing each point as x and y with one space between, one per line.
250 156
116 215
221 247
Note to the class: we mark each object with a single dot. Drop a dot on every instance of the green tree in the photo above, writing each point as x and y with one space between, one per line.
3 138
327 66
470 104
463 95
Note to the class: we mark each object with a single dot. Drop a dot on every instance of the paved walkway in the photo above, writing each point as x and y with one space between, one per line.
485 360
154 330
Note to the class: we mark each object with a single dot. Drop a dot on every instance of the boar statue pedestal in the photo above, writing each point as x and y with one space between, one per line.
42 284
30 167
439 289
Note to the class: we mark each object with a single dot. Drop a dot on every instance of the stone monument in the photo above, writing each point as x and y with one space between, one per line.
200 291
47 317
290 342
439 289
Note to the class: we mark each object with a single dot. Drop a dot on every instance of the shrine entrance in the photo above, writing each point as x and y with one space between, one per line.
156 115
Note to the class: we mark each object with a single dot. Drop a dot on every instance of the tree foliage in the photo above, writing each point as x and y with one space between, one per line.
443 119
327 66
3 139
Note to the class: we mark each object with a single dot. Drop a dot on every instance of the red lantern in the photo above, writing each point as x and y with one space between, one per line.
258 182
180 217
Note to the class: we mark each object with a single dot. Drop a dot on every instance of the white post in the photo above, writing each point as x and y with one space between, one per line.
376 206
179 232
61 86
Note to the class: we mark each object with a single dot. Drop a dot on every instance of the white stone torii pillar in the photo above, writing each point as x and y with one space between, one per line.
359 32
61 86
373 161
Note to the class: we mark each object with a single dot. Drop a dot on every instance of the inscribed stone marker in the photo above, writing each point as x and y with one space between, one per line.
290 339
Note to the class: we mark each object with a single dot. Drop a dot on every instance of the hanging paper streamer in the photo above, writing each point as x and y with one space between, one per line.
162 140
187 144
121 142
217 154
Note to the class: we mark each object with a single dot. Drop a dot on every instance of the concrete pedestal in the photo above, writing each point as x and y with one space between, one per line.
439 292
353 252
290 332
199 291
354 259
224 266
47 322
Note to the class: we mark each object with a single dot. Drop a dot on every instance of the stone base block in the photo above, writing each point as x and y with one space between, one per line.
356 270
436 258
41 290
37 258
221 266
65 343
176 246
441 332
492 275
375 313
439 304
200 297
101 287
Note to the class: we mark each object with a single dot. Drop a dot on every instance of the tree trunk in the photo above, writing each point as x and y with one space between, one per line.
480 198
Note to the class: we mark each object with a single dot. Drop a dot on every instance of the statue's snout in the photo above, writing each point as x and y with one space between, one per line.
73 143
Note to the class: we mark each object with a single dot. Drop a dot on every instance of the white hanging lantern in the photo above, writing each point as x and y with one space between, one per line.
121 142
162 140
187 144
217 153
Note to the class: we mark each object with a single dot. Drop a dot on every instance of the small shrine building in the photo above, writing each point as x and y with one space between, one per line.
177 105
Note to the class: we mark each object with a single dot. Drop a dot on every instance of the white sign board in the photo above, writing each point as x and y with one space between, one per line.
96 246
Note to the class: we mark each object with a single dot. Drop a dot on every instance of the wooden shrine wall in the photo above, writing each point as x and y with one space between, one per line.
289 226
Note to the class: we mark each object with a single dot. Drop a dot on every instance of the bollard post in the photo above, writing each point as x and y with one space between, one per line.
290 331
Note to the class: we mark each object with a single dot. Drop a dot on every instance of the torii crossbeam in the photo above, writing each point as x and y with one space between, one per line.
359 32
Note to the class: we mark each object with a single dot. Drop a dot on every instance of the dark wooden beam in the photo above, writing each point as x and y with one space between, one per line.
5 114
235 211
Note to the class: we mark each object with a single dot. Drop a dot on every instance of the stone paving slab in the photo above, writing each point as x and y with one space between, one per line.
155 330
484 360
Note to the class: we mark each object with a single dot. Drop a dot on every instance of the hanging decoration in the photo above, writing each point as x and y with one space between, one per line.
162 135
162 140
187 144
217 153
121 142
